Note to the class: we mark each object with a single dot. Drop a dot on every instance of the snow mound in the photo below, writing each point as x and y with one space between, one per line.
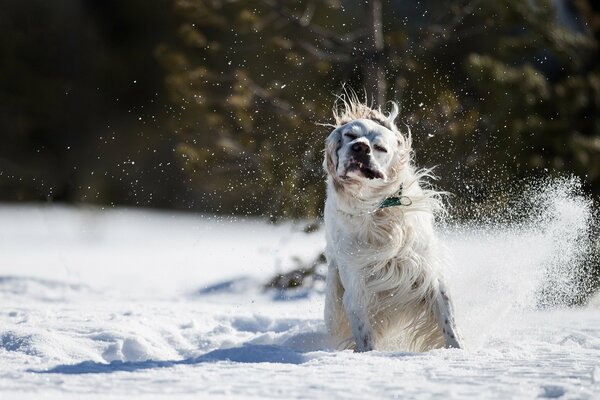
39 289
125 303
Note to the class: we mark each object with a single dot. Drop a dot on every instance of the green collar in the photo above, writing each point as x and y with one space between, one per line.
396 201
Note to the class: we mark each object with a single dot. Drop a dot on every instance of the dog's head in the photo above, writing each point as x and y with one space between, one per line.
365 149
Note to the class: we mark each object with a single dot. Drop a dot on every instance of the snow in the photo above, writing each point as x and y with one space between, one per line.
120 303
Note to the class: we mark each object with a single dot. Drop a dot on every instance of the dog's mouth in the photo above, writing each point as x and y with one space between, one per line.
364 169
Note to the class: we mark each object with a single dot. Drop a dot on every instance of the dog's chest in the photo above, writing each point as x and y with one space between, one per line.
364 241
358 243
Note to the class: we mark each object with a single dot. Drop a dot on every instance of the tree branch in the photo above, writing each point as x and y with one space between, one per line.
315 30
319 54
374 78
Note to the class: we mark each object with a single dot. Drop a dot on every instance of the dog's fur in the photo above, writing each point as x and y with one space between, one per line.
384 284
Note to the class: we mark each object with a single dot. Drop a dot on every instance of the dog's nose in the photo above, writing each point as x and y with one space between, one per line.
361 147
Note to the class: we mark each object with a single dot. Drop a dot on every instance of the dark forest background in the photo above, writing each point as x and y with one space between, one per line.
214 105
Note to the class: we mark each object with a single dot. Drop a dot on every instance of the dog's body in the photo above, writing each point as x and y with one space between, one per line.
384 284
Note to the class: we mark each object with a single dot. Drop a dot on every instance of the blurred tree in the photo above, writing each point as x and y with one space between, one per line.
536 89
82 104
492 90
40 64
252 83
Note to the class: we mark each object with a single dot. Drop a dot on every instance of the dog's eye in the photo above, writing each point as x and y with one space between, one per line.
379 148
351 136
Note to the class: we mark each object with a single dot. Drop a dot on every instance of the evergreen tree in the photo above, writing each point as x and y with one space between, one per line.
491 90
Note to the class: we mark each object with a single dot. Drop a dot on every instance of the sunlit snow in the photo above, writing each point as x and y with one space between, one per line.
124 302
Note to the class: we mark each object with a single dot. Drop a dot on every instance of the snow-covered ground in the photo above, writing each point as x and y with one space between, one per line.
120 303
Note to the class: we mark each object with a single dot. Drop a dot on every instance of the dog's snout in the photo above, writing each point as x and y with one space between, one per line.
361 148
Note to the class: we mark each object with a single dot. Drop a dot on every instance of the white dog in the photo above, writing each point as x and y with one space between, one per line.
384 285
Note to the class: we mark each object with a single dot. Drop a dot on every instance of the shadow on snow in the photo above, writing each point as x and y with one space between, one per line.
245 354
244 284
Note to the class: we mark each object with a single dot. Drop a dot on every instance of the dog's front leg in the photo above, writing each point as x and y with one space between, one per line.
358 317
445 316
336 320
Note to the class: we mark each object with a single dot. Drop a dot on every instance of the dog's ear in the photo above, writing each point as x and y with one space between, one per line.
405 139
402 155
332 145
390 119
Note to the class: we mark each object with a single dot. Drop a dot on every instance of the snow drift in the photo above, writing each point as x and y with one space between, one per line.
172 305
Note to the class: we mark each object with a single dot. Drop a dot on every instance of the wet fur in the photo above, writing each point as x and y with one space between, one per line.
384 282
